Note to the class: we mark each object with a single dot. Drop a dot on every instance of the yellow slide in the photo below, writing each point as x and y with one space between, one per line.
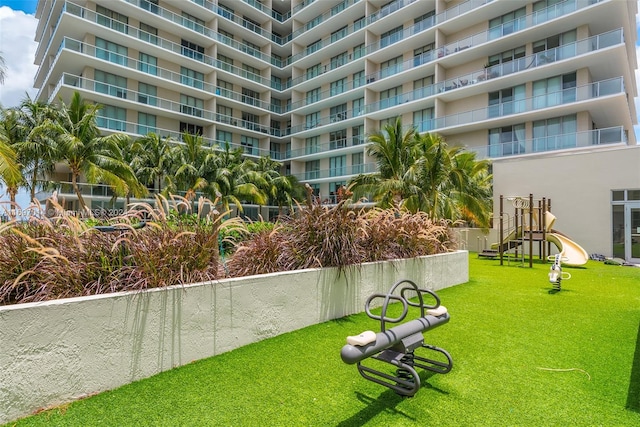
572 253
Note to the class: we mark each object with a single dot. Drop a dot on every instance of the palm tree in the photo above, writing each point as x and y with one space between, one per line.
282 190
10 167
233 179
38 146
191 159
130 151
153 160
393 150
85 152
421 173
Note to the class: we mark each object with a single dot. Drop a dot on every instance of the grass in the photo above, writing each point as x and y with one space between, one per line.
522 356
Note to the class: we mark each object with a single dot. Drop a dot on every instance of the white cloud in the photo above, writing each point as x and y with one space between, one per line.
18 48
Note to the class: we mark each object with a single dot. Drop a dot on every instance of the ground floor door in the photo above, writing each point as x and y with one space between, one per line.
632 232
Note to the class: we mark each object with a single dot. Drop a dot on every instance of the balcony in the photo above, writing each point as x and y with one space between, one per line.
327 175
566 97
613 135
311 151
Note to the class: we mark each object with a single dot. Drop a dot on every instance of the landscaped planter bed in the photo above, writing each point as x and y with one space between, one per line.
57 351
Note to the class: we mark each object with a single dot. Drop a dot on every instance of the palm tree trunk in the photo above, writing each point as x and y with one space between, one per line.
74 184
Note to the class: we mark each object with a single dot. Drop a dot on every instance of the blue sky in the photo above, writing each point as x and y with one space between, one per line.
27 6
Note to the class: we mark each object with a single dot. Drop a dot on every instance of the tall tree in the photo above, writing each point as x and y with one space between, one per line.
10 172
153 160
421 173
393 150
37 149
85 152
191 159
233 180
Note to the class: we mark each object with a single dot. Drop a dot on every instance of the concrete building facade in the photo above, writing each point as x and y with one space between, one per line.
543 88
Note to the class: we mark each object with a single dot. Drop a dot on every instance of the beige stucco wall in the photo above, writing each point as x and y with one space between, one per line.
579 184
57 351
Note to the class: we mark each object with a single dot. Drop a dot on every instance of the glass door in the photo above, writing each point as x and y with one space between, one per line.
632 232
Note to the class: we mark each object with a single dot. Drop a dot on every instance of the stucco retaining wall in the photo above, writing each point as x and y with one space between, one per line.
54 352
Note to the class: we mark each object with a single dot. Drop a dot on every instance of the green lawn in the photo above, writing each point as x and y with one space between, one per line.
522 356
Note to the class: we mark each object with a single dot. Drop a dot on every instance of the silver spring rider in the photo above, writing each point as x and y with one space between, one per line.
397 346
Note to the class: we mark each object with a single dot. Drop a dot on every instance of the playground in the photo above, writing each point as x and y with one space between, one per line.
525 231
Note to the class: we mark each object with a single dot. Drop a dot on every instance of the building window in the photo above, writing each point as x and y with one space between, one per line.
358 79
148 33
507 23
147 64
423 22
191 78
313 47
507 141
224 88
250 121
312 120
338 113
251 48
554 91
312 169
359 51
224 138
357 135
391 67
250 73
555 48
225 63
423 120
339 34
150 5
338 86
249 145
251 25
359 23
313 71
250 97
357 163
390 97
423 87
357 107
147 94
111 84
114 118
555 134
224 114
191 105
225 12
338 165
507 101
191 128
192 50
146 123
111 52
193 23
391 36
339 60
311 145
111 19
423 55
338 139
313 96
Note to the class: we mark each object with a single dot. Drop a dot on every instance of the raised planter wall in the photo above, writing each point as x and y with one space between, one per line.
54 352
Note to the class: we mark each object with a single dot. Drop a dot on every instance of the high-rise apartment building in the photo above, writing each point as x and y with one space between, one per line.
543 88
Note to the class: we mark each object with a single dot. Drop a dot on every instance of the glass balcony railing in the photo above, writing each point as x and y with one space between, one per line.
567 51
563 97
323 148
153 69
343 171
612 135
165 104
